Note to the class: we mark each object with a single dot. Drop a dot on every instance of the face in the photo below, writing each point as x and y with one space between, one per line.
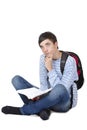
48 47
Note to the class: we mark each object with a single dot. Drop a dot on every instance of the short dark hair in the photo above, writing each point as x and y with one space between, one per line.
47 35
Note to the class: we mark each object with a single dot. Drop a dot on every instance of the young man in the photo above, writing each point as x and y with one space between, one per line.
59 99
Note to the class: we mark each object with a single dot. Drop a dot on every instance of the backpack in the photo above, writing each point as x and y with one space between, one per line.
78 64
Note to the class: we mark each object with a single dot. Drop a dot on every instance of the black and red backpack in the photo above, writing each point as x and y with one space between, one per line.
78 64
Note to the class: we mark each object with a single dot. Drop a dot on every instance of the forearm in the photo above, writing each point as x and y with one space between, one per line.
53 78
66 79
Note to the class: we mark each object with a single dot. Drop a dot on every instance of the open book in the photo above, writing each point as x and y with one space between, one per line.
33 92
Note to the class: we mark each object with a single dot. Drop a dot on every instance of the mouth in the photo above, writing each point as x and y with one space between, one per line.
46 55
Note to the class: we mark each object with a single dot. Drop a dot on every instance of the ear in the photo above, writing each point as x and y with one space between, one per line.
56 44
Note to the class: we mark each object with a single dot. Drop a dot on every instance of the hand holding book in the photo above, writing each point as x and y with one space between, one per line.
33 93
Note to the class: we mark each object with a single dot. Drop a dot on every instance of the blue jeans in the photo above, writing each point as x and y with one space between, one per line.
57 100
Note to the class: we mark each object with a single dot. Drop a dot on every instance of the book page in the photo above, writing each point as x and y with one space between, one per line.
33 92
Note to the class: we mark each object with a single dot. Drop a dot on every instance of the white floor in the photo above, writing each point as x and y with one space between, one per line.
21 22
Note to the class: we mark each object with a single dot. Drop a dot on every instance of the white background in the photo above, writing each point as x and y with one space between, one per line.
21 22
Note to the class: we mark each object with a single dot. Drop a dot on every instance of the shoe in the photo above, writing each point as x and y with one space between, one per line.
11 110
44 114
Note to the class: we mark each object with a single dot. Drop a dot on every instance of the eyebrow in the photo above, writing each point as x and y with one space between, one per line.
45 44
41 45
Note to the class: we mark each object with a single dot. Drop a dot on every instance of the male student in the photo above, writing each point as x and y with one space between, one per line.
59 98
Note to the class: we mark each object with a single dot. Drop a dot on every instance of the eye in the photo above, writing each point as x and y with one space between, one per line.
41 47
47 44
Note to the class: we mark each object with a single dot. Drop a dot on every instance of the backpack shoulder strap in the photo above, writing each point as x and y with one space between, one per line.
63 60
62 65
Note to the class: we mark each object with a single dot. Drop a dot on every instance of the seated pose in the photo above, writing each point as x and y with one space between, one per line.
60 98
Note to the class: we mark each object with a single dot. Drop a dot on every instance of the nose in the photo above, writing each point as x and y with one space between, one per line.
45 50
